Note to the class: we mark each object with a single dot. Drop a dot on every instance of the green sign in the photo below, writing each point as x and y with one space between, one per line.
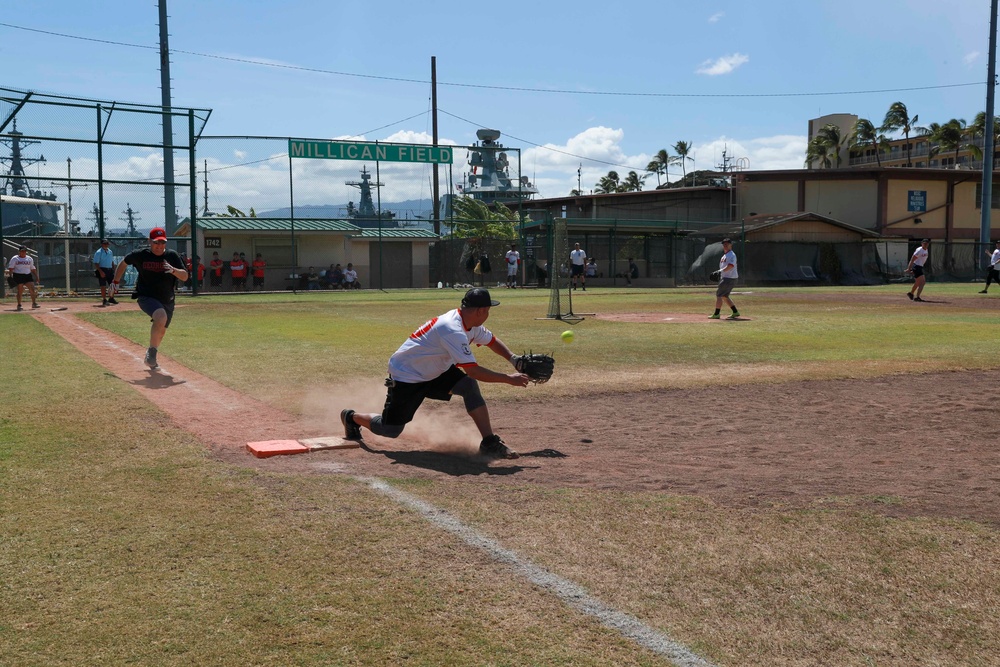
363 150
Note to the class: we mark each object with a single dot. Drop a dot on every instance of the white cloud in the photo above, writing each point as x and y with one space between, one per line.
971 57
716 17
723 65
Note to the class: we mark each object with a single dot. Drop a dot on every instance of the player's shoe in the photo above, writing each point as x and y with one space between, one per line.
20 307
910 295
113 301
104 303
734 316
713 316
351 430
982 291
35 305
493 446
150 359
918 299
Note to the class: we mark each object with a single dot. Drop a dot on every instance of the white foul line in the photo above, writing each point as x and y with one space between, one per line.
572 594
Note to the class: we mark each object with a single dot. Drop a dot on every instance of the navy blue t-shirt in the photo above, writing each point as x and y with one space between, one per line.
153 281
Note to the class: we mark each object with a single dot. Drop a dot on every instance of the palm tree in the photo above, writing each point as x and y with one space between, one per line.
951 137
866 134
632 183
825 147
682 148
898 118
658 165
608 184
978 129
475 219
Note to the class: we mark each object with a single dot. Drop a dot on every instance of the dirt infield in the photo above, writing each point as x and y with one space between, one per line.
901 445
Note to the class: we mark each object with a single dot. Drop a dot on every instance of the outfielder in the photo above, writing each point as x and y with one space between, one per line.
513 260
916 267
436 362
727 275
24 273
994 274
159 270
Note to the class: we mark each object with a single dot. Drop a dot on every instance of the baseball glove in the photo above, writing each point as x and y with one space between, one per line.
715 275
538 367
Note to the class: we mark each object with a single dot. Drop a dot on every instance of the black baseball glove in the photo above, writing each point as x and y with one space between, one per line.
538 367
715 275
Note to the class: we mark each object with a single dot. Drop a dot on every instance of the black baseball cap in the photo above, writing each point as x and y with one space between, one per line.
103 241
477 297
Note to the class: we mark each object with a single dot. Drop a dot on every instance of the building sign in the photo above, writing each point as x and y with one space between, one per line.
917 201
363 150
213 241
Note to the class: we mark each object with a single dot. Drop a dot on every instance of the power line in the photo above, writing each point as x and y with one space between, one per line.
525 89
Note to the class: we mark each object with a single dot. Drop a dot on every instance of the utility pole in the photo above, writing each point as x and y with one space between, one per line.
434 126
579 175
169 209
988 142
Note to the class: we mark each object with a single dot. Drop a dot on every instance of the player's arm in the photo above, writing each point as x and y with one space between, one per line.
178 272
482 374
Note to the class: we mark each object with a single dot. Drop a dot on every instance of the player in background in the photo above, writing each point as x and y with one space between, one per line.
727 280
577 258
994 274
513 261
104 268
916 267
24 273
159 271
258 271
436 362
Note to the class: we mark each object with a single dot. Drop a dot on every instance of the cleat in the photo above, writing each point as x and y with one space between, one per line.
35 305
113 301
910 295
983 291
918 299
713 316
150 359
734 316
493 446
20 307
351 430
104 303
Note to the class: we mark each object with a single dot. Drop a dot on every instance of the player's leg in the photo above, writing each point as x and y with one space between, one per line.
20 292
34 294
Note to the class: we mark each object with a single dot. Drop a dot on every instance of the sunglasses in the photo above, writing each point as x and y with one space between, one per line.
160 241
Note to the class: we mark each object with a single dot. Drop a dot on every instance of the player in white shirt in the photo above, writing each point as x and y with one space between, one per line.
513 260
23 272
436 362
577 258
994 274
727 280
916 267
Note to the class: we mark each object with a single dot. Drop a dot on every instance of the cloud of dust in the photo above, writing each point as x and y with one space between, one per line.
439 426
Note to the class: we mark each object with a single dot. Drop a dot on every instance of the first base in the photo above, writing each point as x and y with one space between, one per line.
266 448
329 442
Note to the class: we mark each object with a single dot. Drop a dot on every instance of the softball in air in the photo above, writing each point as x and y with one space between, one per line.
567 336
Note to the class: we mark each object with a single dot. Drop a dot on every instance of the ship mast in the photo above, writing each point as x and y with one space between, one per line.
17 178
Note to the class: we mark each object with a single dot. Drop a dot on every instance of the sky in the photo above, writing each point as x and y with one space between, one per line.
575 85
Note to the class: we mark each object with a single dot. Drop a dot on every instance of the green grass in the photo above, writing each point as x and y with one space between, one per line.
123 542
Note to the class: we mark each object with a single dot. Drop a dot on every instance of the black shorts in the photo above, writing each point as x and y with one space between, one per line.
214 280
22 278
917 271
577 269
403 398
149 305
258 281
104 277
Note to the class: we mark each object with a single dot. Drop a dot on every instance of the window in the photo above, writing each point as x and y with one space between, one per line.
995 204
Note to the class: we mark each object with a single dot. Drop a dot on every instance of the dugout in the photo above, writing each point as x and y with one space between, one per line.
391 258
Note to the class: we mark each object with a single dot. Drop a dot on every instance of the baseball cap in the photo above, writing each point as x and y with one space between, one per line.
22 247
477 297
727 240
926 241
103 241
157 233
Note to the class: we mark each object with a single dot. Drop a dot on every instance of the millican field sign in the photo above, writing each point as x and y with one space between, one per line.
363 150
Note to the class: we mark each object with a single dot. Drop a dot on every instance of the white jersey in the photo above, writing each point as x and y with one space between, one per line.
726 260
18 264
920 256
513 257
995 259
436 346
350 275
578 257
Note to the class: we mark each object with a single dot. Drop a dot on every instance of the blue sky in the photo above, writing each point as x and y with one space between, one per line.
604 85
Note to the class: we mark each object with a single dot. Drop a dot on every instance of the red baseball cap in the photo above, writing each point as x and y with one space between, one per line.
157 233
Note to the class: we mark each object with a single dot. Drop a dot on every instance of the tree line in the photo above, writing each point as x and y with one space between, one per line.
826 148
658 166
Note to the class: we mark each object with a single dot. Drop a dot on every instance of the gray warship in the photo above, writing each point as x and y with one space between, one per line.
23 218
488 179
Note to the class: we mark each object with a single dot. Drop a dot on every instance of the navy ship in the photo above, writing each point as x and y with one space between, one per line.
488 179
365 214
24 218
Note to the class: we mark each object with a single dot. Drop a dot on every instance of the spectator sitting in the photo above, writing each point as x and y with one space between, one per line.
335 277
351 278
312 278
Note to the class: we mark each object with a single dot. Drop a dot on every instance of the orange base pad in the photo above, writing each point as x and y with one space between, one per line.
267 448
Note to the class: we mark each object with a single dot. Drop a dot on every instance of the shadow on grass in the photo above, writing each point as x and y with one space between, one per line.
449 464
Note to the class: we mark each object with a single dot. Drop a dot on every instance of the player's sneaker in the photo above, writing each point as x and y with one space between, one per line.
910 295
35 305
982 291
735 315
494 447
104 303
20 307
351 430
113 301
151 359
918 299
713 316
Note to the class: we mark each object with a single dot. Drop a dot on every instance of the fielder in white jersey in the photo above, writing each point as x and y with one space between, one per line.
994 273
577 258
727 280
23 272
916 267
513 258
436 362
